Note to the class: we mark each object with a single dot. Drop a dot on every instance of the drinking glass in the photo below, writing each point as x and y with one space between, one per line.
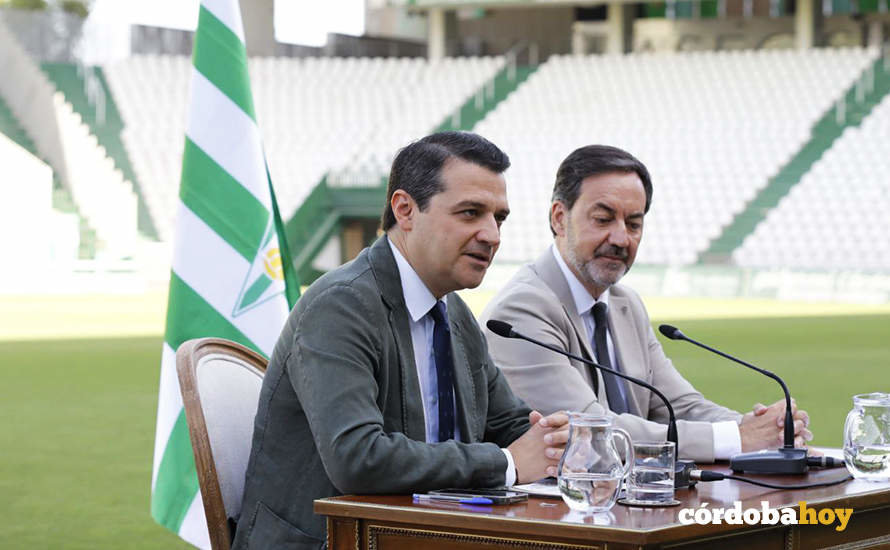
651 480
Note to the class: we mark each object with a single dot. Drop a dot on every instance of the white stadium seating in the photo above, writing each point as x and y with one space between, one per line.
315 114
837 217
712 127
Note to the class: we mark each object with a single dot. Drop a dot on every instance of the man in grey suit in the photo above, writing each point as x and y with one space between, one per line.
569 298
381 381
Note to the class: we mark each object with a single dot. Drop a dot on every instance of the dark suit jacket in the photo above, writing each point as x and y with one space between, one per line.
340 409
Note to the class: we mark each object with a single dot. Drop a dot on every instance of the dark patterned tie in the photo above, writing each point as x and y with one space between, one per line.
444 371
616 388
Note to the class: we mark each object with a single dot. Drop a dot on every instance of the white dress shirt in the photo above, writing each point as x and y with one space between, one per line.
727 439
419 301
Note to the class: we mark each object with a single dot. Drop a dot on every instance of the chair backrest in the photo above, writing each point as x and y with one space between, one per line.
220 383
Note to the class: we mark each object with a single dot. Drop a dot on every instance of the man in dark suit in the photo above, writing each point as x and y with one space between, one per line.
381 381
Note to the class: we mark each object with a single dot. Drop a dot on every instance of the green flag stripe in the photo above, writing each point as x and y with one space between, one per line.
190 316
221 202
221 57
177 482
291 283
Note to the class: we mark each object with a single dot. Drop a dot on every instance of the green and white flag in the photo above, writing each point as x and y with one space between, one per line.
232 276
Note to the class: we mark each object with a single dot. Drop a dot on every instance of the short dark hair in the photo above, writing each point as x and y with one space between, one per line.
593 160
417 168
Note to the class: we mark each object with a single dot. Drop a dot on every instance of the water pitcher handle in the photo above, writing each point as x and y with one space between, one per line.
853 418
628 450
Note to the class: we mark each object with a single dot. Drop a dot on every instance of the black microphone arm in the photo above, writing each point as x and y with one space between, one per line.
788 459
676 334
504 329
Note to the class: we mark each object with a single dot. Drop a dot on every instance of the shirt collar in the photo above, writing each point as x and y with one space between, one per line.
418 298
583 300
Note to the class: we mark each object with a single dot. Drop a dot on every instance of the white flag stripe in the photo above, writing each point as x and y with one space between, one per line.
205 248
194 525
227 12
238 149
169 407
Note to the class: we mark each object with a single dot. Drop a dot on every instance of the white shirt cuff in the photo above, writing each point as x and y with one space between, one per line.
510 476
727 439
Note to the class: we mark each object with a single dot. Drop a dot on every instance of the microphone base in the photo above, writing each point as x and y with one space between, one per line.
682 479
787 460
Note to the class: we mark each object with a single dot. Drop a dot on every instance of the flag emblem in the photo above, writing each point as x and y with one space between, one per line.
265 279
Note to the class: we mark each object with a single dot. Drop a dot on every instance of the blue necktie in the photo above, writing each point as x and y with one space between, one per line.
616 388
444 371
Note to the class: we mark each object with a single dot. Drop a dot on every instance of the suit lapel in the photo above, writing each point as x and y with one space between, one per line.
386 273
549 272
629 355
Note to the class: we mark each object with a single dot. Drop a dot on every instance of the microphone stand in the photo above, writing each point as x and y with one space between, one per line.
785 460
682 468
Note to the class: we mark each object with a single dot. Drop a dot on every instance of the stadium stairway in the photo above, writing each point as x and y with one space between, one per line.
69 80
487 98
322 215
324 211
856 103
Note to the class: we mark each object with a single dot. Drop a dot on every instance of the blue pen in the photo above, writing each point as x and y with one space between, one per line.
451 498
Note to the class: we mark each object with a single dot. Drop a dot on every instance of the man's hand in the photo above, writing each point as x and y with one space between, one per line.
537 452
763 427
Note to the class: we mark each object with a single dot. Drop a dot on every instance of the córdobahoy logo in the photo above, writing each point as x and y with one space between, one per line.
804 515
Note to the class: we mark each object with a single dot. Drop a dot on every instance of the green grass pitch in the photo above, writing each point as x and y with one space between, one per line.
79 415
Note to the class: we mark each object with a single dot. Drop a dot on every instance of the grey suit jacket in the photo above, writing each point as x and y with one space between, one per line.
537 301
340 409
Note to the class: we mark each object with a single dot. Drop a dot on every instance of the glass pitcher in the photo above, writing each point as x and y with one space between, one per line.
867 437
590 471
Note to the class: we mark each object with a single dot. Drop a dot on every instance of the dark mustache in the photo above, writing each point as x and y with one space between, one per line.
611 250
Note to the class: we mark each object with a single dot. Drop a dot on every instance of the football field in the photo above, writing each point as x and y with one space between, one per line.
79 396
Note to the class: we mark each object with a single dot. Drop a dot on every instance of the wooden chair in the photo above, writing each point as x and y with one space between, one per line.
220 383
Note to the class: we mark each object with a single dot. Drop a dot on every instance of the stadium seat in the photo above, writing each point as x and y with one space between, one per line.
316 115
712 127
220 383
836 217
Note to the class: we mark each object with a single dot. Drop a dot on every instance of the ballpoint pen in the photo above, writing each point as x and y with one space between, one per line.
451 498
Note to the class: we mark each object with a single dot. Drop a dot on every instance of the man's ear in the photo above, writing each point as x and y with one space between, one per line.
404 209
558 218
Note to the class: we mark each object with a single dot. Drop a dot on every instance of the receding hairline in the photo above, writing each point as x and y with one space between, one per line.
599 203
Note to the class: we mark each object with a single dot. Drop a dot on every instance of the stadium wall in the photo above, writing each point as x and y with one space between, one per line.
29 95
35 235
666 35
50 35
728 282
494 32
163 41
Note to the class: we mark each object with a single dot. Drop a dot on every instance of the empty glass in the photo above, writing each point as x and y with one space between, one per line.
651 480
590 471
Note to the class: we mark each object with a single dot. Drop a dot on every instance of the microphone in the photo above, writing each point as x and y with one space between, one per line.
788 459
682 479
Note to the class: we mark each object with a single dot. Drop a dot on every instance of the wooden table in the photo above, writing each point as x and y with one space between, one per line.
394 522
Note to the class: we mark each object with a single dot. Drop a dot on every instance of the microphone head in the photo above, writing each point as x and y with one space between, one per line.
671 332
500 328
